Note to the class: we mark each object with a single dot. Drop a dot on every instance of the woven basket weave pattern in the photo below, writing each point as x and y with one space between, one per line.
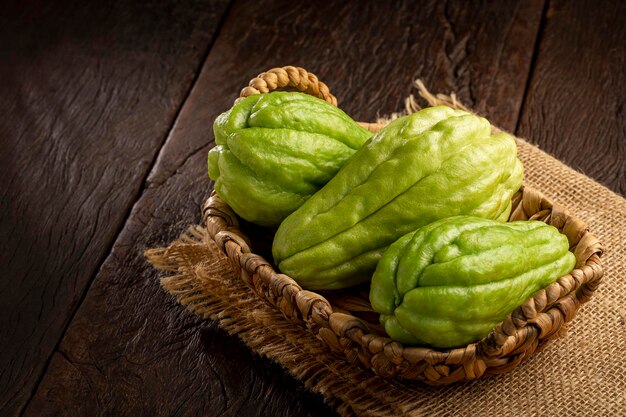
527 329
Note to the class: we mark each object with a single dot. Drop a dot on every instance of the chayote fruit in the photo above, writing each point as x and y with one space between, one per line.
436 163
276 150
452 281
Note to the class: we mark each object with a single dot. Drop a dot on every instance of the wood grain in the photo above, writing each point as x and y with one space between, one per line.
131 350
88 94
575 104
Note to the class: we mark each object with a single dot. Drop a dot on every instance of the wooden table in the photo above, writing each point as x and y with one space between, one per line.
106 113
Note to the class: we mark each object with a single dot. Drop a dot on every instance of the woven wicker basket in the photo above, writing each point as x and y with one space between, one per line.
345 321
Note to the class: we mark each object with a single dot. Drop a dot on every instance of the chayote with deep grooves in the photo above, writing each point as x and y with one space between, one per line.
273 151
436 163
452 281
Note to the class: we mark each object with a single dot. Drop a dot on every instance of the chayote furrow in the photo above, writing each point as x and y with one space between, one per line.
433 164
276 150
452 281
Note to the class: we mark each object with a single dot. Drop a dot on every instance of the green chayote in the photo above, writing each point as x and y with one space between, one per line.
436 163
452 281
276 150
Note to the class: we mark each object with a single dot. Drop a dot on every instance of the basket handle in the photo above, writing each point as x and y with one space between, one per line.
299 78
288 76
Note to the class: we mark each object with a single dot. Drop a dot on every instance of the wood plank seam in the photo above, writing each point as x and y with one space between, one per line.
533 62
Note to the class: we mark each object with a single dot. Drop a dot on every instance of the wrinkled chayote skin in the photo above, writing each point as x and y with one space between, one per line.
275 150
450 282
436 163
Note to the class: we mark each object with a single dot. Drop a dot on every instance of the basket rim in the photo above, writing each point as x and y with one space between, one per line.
537 320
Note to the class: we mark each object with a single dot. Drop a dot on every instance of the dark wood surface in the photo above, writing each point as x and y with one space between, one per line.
107 112
89 93
574 106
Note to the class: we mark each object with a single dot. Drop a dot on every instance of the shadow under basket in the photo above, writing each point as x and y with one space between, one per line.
345 321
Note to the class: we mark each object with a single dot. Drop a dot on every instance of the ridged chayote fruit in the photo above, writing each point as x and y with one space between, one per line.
452 281
435 163
276 150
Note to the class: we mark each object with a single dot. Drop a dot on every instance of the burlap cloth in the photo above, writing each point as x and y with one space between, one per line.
583 373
